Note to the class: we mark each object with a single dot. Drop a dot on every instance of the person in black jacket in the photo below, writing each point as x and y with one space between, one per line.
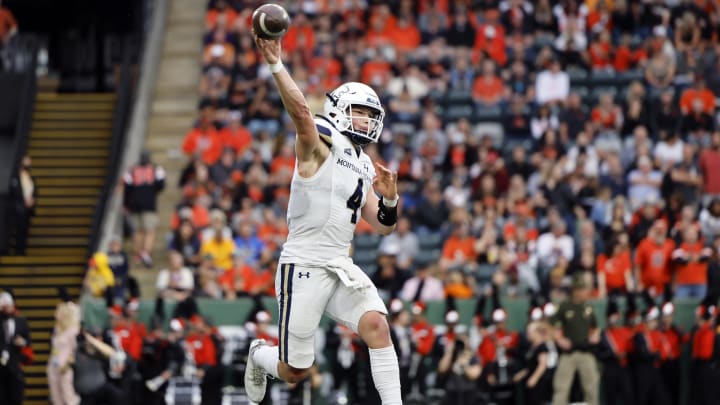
15 351
23 196
142 184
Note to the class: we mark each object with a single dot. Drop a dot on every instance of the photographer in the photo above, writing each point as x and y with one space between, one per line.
460 368
95 364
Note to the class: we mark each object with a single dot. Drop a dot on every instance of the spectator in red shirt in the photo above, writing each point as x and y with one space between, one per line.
405 35
300 36
614 270
653 259
698 92
691 265
710 169
601 51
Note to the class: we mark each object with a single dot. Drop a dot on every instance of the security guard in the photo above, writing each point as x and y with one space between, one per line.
575 335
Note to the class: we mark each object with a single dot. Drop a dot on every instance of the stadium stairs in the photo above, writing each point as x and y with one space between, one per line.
173 111
69 145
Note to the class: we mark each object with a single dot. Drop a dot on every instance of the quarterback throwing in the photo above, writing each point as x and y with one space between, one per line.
334 184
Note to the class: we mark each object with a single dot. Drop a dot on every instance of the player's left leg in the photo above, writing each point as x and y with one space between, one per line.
375 332
365 313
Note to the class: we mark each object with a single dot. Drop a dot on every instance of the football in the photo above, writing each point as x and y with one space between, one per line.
270 21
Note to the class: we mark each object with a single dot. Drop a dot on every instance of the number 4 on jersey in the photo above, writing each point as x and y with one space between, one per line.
355 201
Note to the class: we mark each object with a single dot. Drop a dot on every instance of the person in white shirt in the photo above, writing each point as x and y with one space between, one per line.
176 282
668 151
552 85
423 287
404 242
553 245
644 183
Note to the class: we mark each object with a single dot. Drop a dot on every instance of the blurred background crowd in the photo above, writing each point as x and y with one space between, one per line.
540 146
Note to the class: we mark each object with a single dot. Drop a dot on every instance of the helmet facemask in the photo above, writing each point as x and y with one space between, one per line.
341 108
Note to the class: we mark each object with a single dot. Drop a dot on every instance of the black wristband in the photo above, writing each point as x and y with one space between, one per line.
386 215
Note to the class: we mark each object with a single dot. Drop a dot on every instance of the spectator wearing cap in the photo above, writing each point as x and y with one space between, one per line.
704 375
142 184
613 353
119 264
15 350
400 334
176 282
649 351
423 338
404 242
653 259
576 333
690 261
123 336
98 277
675 338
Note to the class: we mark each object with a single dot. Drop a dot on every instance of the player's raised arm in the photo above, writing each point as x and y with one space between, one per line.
381 213
292 98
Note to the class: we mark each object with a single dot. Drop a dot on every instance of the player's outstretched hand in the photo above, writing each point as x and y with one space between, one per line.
385 182
270 49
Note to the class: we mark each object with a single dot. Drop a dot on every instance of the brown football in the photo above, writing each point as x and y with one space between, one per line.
270 21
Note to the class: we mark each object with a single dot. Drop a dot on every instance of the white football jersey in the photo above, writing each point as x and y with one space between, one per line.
325 208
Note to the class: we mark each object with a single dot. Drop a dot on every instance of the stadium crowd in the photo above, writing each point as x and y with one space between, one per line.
561 150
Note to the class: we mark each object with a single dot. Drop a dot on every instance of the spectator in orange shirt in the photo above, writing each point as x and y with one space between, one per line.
221 14
203 141
691 264
232 280
459 285
459 249
326 64
284 159
653 259
235 135
614 270
300 36
488 88
698 92
219 52
376 71
405 35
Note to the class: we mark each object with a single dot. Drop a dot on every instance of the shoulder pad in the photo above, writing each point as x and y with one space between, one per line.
324 133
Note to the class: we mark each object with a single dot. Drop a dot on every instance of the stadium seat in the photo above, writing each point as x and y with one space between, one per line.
582 91
487 114
430 241
484 273
603 78
426 257
367 241
455 112
365 257
457 97
577 76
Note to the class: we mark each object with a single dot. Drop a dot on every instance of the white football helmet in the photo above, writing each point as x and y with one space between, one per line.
338 109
